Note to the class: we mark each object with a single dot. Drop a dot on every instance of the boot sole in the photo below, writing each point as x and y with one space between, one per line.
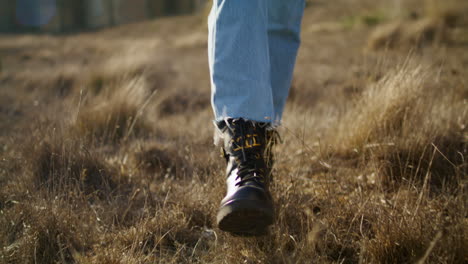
245 218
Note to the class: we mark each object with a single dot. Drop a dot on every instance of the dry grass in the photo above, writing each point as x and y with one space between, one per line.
115 113
107 156
409 125
434 27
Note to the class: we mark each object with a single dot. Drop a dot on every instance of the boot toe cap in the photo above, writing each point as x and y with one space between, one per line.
249 211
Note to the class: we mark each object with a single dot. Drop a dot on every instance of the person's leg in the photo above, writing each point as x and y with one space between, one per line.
239 60
243 105
284 24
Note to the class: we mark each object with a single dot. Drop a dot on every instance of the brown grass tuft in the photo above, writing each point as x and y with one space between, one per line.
408 125
115 113
434 27
162 160
411 234
67 165
43 232
171 235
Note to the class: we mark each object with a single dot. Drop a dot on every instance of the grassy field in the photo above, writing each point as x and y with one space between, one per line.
107 156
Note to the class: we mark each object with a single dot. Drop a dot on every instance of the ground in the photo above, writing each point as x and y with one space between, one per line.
107 156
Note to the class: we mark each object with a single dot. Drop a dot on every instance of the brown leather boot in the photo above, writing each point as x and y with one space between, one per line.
247 208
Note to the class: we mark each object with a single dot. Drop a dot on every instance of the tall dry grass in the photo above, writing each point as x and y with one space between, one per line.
410 123
115 114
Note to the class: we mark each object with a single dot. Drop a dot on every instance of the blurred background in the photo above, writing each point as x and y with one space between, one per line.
76 15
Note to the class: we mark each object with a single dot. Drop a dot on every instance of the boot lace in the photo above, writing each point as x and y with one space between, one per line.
251 166
248 169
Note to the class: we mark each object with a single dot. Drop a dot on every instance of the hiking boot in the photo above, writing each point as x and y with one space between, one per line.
247 209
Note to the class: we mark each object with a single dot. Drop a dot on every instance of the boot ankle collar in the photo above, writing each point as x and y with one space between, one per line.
222 125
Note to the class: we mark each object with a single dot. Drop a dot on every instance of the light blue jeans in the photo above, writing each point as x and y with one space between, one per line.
252 51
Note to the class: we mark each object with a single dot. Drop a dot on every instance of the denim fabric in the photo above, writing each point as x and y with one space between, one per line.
252 50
